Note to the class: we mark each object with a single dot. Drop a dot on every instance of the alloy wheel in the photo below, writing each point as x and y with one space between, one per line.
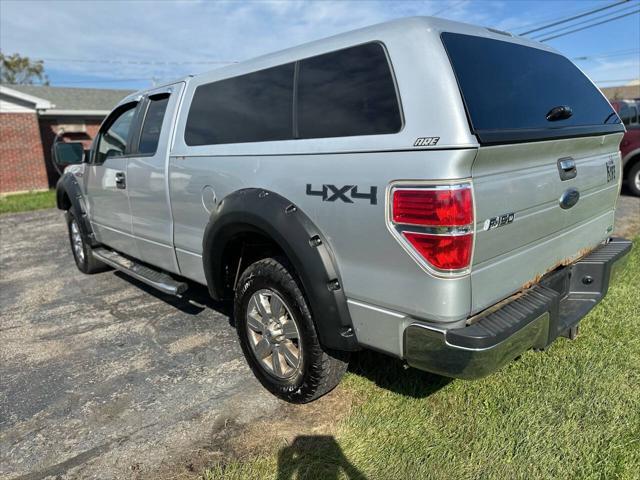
273 334
76 241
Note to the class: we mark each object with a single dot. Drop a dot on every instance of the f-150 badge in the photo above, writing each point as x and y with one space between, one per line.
499 221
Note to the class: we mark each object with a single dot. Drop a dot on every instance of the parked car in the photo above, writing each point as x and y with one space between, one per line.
396 188
629 112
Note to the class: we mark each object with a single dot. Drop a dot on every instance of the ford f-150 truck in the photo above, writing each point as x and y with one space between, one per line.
437 191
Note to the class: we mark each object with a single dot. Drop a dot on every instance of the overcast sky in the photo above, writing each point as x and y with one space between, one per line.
149 41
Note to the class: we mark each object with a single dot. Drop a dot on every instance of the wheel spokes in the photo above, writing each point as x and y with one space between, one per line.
277 363
260 302
255 323
276 307
290 354
289 329
263 348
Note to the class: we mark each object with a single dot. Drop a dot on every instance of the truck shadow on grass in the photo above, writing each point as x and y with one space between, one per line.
385 371
392 374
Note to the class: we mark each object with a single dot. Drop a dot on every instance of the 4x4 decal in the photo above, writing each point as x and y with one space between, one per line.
346 193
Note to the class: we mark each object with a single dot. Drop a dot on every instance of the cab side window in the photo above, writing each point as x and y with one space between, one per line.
153 124
113 139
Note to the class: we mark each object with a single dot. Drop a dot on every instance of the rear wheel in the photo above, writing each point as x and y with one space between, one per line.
633 178
278 337
82 252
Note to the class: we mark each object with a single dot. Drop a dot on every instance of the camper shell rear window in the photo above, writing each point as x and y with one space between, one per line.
509 90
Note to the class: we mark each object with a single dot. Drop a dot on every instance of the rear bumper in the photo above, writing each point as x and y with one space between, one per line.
533 318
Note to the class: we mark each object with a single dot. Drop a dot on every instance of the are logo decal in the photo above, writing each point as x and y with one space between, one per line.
346 193
426 141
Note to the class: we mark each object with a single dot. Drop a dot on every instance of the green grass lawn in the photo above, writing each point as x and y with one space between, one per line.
23 202
572 411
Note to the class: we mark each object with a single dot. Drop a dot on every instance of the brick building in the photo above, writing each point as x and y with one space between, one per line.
31 117
628 92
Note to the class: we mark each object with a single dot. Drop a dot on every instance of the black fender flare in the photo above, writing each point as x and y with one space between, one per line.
68 185
302 242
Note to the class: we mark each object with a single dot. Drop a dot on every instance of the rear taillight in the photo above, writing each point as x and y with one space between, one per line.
445 252
433 207
436 223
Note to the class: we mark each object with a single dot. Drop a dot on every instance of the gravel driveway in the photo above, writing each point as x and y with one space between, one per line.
103 377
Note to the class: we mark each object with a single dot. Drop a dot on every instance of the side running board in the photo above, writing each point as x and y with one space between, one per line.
154 278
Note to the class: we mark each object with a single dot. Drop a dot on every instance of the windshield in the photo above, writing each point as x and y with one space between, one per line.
518 93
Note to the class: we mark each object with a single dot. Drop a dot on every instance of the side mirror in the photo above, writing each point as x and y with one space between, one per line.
66 153
113 152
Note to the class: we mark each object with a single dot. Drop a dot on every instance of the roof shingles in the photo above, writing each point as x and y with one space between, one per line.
81 99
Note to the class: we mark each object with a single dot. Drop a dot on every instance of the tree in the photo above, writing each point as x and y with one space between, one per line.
16 69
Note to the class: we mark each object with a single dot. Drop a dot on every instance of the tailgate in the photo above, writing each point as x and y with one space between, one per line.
524 183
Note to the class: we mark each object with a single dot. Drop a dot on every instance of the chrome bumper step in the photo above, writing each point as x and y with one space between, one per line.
145 274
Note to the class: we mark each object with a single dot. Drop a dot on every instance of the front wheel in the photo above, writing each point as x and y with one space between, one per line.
278 336
82 252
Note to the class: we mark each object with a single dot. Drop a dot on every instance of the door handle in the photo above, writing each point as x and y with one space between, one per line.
120 180
567 168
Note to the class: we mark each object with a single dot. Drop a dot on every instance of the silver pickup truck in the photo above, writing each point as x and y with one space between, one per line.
437 191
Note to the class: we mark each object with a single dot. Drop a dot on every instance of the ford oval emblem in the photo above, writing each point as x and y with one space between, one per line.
569 198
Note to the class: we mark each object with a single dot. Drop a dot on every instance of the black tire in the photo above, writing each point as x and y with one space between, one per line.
85 261
319 370
632 178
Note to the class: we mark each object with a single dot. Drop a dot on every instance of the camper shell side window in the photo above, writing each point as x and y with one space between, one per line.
348 92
